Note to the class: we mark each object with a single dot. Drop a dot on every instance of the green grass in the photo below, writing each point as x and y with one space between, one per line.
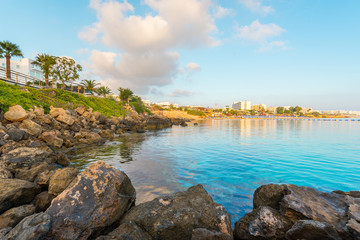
11 95
195 112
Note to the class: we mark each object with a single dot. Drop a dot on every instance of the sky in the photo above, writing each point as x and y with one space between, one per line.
202 52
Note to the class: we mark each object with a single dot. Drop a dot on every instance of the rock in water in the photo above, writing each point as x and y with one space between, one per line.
15 192
33 227
262 223
175 216
97 198
16 114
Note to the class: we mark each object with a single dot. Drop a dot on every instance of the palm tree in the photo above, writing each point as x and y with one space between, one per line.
45 62
89 85
103 91
10 50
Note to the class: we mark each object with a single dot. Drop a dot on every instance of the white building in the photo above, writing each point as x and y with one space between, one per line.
242 105
146 102
23 66
167 104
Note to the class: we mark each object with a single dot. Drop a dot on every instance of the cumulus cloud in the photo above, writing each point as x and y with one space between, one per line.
222 12
145 44
257 7
258 32
261 34
181 93
192 67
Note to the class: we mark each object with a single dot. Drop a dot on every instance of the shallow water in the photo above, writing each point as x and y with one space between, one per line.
231 158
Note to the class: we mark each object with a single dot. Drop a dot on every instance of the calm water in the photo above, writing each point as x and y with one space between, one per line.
231 158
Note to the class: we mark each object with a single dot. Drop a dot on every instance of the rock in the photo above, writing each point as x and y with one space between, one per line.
51 139
140 130
62 159
262 223
61 180
312 230
4 173
14 215
54 112
36 169
31 127
269 195
91 137
303 203
107 133
354 228
127 231
100 195
95 116
17 134
3 232
43 178
15 192
156 122
175 216
42 201
16 114
204 234
33 227
39 111
80 110
65 118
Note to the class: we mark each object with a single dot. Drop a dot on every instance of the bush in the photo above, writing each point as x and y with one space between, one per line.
195 112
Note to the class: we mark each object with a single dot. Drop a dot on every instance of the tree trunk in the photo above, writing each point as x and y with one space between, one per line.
47 79
63 84
8 73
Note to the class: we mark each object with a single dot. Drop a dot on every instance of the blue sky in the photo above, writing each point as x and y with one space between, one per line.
203 52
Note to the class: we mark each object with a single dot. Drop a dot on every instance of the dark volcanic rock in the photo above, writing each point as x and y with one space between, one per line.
312 230
96 199
14 215
204 234
33 227
156 122
17 134
15 192
262 223
175 216
127 231
269 195
24 157
31 173
42 201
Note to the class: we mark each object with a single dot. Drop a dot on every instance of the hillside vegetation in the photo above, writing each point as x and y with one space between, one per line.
29 97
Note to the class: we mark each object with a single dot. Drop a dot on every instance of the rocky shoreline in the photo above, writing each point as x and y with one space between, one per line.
43 197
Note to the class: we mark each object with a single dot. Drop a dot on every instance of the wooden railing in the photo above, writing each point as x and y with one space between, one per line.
17 78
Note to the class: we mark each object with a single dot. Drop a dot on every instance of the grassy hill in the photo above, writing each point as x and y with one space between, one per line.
28 98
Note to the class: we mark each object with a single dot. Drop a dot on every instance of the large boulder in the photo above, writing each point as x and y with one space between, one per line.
262 223
156 122
312 230
61 180
80 110
17 135
31 173
51 139
15 192
24 157
14 215
205 234
96 199
127 231
269 195
16 114
65 118
33 227
31 127
176 216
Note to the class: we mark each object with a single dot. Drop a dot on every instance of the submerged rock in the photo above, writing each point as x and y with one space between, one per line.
97 198
176 216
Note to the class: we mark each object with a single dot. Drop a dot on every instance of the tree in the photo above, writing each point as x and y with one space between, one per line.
89 85
46 63
125 94
10 50
280 110
66 70
103 91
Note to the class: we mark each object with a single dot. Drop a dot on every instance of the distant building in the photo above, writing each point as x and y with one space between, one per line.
167 104
24 66
260 107
242 105
271 110
146 102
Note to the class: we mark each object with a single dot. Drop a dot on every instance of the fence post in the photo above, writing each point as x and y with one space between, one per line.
16 78
33 82
39 82
25 81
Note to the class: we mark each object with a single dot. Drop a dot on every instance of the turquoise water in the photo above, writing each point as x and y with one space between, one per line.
231 158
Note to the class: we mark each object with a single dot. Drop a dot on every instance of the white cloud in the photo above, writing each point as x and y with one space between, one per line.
181 93
192 67
222 12
273 46
145 43
258 32
257 7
